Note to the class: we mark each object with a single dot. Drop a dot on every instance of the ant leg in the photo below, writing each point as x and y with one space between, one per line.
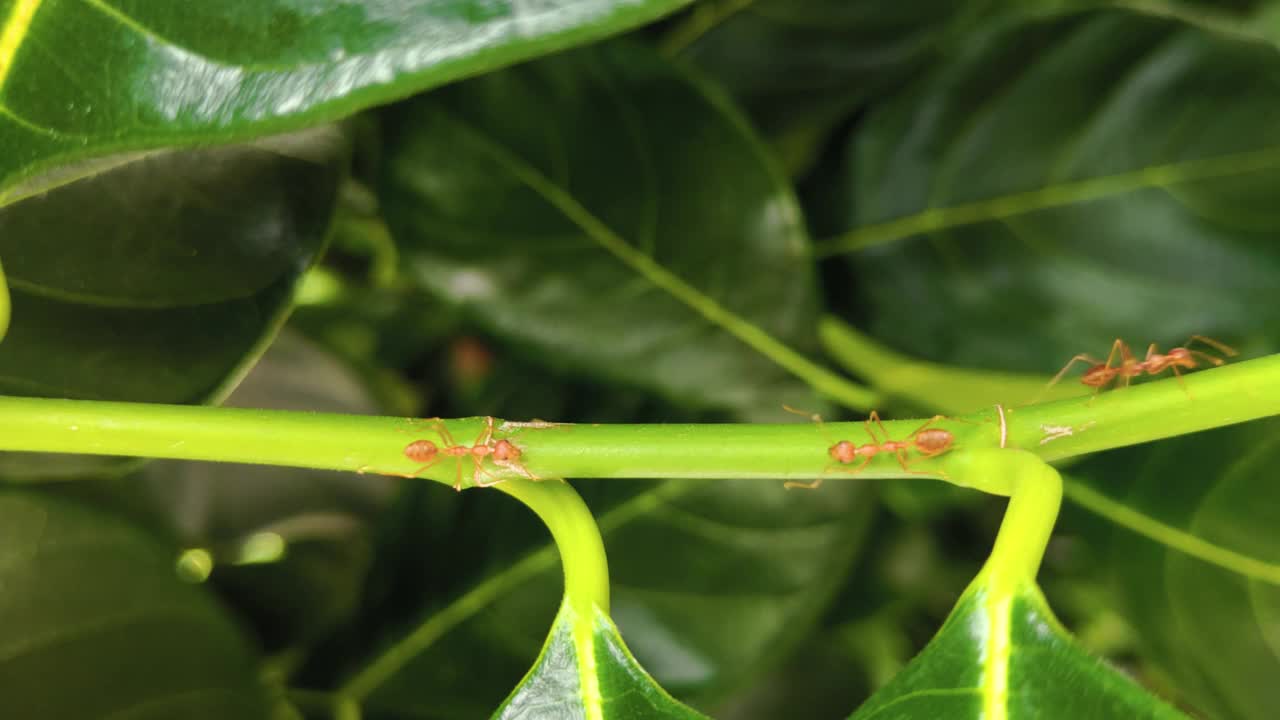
1220 347
902 460
428 466
1121 347
1082 357
829 469
457 481
1215 361
446 438
906 465
931 421
517 467
815 417
874 417
1183 383
481 473
486 435
850 471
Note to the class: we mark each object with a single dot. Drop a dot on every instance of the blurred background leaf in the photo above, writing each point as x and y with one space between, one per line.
1044 212
801 67
516 217
1206 621
97 623
289 548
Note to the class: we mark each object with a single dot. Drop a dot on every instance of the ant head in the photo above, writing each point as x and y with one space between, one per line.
843 452
504 450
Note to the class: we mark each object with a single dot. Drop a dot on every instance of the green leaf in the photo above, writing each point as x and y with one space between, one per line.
594 680
607 210
78 80
1201 579
1066 181
96 623
1009 659
161 280
710 583
801 66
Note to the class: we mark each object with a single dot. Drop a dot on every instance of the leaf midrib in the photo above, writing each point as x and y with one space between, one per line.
935 218
1169 536
645 266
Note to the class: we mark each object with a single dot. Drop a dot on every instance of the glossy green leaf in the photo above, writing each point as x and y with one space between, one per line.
998 660
1200 581
81 79
607 210
160 280
1068 180
599 680
710 582
95 623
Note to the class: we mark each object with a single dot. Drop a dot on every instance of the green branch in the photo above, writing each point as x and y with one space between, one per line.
1052 431
586 582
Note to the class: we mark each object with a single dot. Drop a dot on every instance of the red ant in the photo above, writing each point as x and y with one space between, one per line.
1100 374
505 454
929 442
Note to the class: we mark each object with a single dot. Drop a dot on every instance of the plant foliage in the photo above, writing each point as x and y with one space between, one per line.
636 211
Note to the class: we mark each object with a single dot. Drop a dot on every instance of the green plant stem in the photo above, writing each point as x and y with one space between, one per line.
943 387
1035 495
1052 431
1218 397
586 581
574 529
586 572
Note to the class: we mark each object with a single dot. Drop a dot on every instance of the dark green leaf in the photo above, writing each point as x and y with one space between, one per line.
798 65
79 79
563 199
160 280
607 686
1066 181
1009 660
96 624
290 547
1201 580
